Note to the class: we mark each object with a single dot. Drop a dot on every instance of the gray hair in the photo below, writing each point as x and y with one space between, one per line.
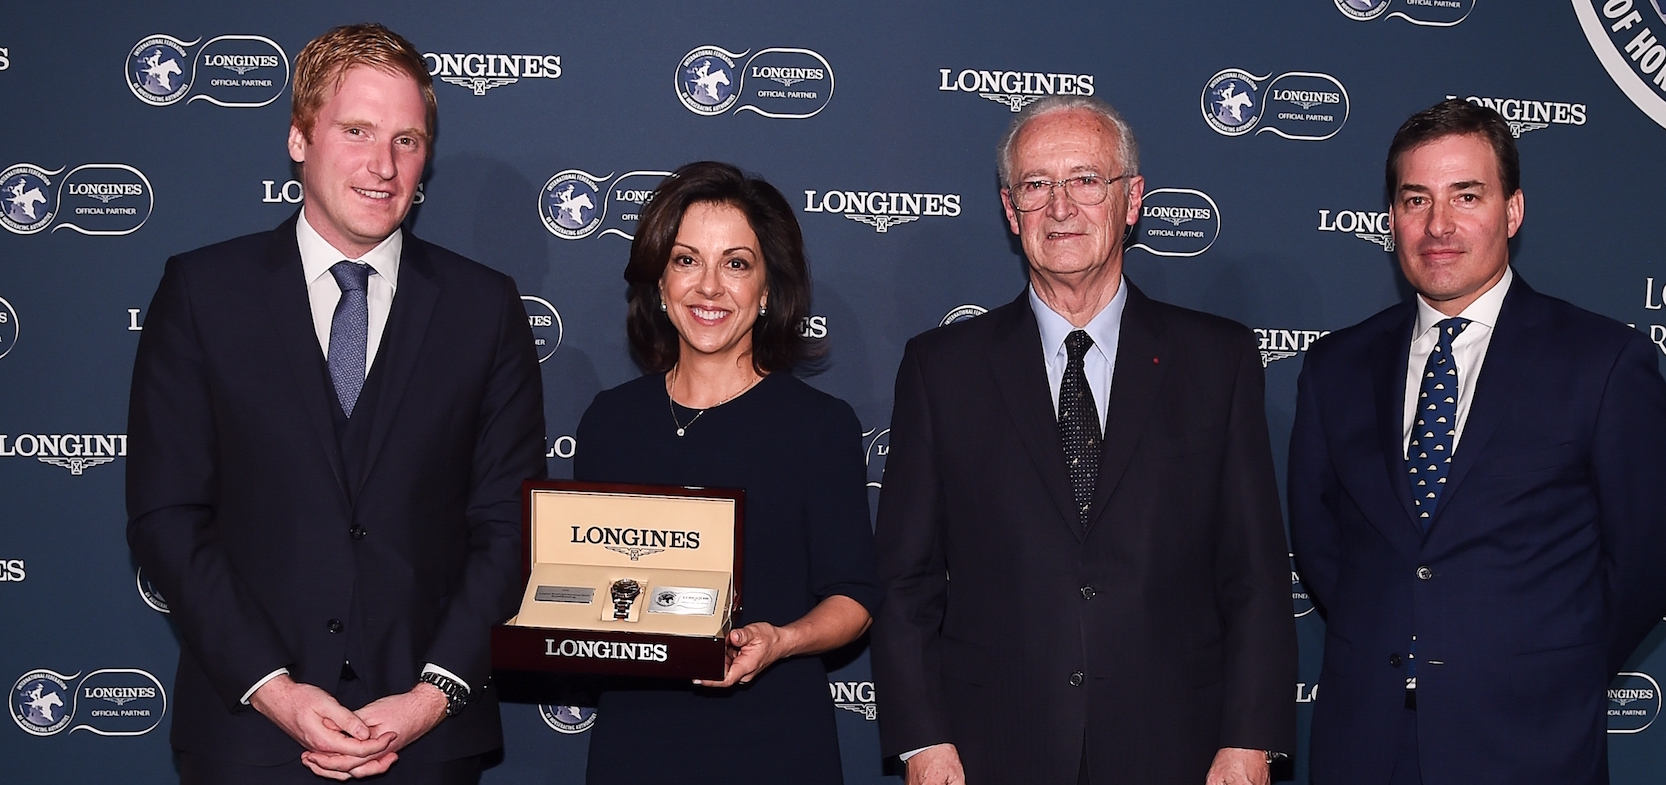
1127 149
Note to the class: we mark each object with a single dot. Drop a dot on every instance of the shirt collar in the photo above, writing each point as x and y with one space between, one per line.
318 256
1483 311
1105 327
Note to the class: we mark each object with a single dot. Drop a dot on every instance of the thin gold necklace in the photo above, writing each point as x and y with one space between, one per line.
672 404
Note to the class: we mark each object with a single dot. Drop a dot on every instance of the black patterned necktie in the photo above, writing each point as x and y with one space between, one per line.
1435 424
349 332
1079 423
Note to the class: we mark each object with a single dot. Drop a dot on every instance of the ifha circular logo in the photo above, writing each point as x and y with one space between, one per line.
157 70
707 81
571 204
41 702
149 593
8 327
961 313
26 201
1231 102
568 719
1362 10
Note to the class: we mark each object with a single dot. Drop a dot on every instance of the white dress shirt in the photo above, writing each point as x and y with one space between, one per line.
317 257
1469 351
1099 365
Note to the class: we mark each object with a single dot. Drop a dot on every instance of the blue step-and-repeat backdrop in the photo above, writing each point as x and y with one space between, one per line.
132 131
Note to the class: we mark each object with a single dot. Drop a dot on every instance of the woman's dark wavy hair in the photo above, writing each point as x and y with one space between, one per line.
776 342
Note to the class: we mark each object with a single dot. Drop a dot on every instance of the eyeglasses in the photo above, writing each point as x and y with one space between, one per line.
1086 190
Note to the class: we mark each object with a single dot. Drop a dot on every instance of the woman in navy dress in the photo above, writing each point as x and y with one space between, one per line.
718 287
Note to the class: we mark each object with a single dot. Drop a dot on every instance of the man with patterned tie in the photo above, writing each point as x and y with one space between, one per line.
330 425
1091 468
1476 495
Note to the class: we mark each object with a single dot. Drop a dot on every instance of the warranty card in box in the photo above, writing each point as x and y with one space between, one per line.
640 580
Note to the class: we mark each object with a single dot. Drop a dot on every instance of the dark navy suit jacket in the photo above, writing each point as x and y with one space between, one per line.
1159 633
1541 570
243 511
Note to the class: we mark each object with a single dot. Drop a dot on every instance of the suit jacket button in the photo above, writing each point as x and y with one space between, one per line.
334 626
357 532
1076 679
1088 592
1394 660
1424 573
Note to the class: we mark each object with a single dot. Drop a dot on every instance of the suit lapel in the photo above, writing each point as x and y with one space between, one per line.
1506 359
1020 373
402 338
1135 384
285 292
1388 358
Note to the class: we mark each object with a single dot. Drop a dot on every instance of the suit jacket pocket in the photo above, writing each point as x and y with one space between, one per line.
1527 460
965 662
1555 670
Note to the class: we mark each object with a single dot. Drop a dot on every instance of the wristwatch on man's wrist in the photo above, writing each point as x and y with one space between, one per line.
456 695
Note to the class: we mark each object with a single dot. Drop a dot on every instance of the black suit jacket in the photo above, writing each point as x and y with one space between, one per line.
1540 572
1159 634
241 507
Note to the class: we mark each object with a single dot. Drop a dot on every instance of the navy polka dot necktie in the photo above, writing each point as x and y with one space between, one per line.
349 332
1435 424
1079 423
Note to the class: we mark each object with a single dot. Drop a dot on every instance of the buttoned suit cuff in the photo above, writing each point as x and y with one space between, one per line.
252 690
911 753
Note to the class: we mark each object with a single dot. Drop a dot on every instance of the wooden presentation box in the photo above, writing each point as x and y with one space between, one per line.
682 546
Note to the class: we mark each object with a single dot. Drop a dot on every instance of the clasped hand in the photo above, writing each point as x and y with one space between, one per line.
342 744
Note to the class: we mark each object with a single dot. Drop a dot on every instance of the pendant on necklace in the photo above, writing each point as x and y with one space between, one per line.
679 431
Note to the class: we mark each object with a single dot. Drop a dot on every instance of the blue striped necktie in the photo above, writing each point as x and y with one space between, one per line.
349 332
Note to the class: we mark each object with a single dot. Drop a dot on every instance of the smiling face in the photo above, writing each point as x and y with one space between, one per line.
1452 220
1068 242
360 170
715 282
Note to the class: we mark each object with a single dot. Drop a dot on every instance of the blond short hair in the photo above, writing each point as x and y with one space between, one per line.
324 62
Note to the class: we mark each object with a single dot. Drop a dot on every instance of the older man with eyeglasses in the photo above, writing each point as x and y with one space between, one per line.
1091 468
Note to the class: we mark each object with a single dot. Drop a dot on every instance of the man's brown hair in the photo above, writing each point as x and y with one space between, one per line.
325 61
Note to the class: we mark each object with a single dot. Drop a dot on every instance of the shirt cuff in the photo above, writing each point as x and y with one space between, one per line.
911 753
270 676
432 668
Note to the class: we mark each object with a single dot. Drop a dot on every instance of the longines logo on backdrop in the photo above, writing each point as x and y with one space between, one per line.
241 71
813 327
482 72
567 719
1278 344
76 452
856 696
1307 693
546 325
876 445
1525 114
1633 703
574 203
882 209
1427 13
1177 222
93 199
787 83
1298 593
1629 39
8 327
1371 226
291 192
5 58
149 593
1302 105
109 702
12 571
1013 89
